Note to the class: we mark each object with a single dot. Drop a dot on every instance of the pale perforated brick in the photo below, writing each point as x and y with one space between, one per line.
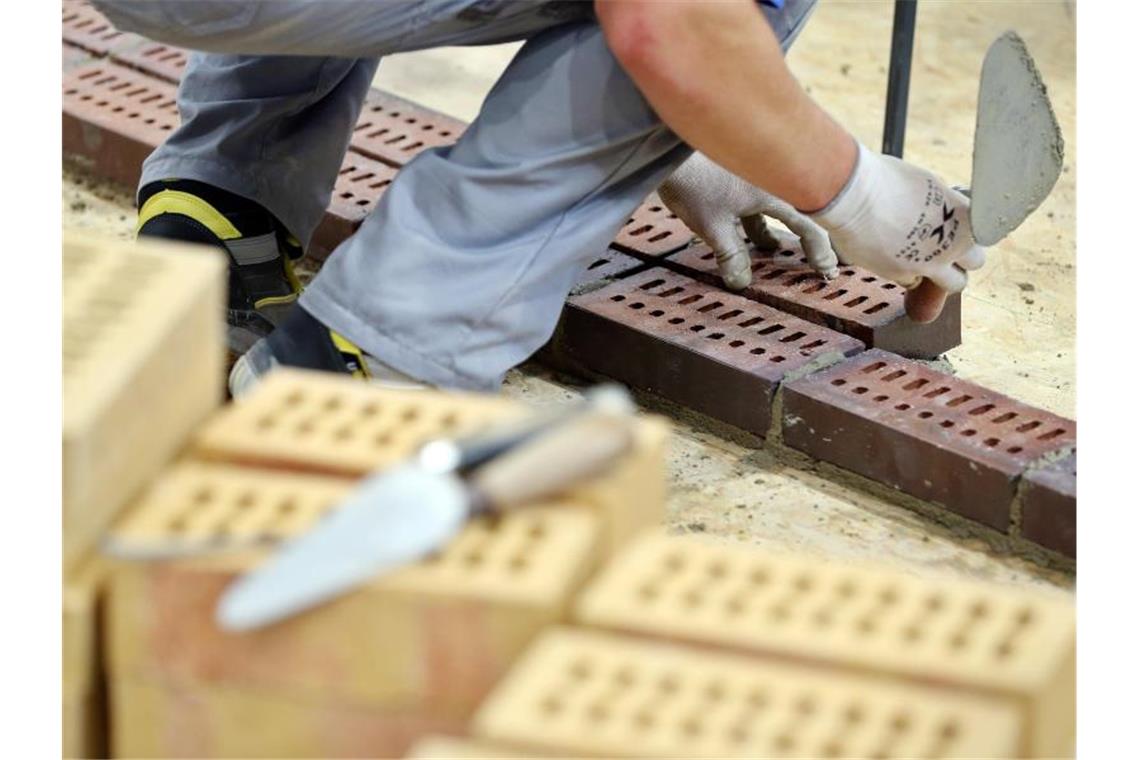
154 58
124 306
439 631
85 27
578 691
1016 644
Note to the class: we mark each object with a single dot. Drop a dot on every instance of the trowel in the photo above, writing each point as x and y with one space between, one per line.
1018 153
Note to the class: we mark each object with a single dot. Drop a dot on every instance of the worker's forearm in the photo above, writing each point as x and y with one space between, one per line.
715 74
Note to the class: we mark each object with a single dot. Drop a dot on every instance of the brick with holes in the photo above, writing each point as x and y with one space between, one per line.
583 693
653 231
856 303
720 354
394 130
114 117
163 61
359 184
318 422
85 27
432 637
1014 644
929 434
1049 506
606 267
124 305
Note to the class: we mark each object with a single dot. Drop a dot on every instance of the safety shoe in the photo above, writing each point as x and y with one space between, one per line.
303 341
262 283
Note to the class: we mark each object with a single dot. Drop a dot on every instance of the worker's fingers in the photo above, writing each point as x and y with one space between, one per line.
817 248
735 267
924 302
758 233
975 258
950 278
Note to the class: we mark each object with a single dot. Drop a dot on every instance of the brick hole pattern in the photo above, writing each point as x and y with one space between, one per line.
87 28
653 231
359 184
100 298
162 61
122 101
932 402
683 310
395 131
707 708
608 265
917 621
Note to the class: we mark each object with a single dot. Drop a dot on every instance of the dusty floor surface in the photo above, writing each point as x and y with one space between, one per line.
1019 313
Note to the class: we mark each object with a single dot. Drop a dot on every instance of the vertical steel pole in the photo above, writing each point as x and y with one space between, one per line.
898 76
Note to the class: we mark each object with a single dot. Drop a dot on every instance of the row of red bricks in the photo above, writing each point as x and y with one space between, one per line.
649 312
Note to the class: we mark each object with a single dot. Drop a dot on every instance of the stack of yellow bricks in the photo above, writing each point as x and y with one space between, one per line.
569 628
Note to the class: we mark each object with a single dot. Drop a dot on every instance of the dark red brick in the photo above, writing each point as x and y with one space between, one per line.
606 267
1049 506
652 231
115 117
87 28
154 58
926 433
716 353
394 130
359 185
856 303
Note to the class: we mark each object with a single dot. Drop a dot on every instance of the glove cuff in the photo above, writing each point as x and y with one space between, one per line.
849 202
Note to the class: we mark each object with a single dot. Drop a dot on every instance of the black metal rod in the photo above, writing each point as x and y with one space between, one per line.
898 76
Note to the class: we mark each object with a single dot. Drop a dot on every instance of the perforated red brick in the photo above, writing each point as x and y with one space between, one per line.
717 353
653 231
856 303
607 266
359 185
154 58
1049 506
394 130
115 116
87 28
929 434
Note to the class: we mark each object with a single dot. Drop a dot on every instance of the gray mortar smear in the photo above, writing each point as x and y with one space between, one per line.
1018 146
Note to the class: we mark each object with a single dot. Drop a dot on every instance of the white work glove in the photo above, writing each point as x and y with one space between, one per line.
709 199
902 223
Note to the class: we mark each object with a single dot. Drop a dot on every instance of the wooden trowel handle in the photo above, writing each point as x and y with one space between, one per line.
552 461
924 303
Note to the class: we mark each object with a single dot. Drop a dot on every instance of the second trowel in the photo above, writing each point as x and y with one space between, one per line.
400 515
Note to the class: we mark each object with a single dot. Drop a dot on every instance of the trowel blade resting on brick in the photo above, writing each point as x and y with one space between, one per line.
401 515
1018 147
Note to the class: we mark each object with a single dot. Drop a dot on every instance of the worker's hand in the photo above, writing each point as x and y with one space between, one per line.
709 199
904 224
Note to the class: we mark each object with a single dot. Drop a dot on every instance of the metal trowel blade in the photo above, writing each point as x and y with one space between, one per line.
1018 147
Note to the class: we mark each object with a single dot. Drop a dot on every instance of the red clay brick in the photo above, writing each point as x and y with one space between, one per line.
653 231
926 433
856 303
162 61
87 28
714 352
608 266
1049 506
115 117
359 185
394 130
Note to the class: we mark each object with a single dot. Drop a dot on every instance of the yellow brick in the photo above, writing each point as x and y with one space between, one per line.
83 709
438 632
317 422
595 693
153 719
1007 642
143 363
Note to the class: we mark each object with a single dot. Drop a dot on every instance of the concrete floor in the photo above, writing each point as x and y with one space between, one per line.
1019 313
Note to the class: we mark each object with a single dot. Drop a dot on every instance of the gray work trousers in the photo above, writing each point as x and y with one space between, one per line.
461 270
